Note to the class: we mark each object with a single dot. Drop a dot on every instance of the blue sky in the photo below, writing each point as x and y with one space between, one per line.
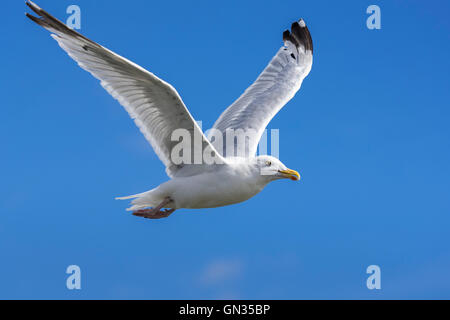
368 132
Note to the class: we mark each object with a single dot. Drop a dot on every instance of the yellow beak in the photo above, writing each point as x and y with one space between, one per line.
291 174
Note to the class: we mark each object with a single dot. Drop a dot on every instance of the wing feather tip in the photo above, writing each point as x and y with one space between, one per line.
299 35
35 19
286 35
33 6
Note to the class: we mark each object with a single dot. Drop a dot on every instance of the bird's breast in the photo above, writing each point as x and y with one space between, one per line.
213 190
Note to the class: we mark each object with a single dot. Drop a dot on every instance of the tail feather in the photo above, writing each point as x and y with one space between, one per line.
146 194
142 200
130 197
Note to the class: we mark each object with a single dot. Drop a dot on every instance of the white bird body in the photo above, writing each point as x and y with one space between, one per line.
232 183
158 111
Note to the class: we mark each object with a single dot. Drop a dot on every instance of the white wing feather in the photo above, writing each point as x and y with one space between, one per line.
274 87
154 104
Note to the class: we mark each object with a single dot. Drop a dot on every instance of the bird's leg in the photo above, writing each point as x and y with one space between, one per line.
156 212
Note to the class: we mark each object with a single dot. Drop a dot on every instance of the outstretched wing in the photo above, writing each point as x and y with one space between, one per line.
275 86
154 104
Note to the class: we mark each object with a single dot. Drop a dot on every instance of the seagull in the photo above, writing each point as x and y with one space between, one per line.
158 111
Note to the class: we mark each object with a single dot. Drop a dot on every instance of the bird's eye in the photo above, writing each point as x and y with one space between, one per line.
268 163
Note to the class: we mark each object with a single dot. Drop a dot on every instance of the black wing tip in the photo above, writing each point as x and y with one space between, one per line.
299 35
286 35
33 6
35 19
41 14
36 9
46 20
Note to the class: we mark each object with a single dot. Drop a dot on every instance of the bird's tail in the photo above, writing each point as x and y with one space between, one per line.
143 200
137 195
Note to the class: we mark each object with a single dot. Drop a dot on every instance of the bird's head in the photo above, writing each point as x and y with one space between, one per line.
274 169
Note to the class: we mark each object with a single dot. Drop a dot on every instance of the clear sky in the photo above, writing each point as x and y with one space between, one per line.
368 131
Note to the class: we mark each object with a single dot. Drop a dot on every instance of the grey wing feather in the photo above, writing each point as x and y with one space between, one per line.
274 87
155 105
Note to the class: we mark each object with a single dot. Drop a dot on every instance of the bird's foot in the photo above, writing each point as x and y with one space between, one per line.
153 214
156 212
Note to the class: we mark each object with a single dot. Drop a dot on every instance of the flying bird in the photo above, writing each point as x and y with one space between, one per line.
158 111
